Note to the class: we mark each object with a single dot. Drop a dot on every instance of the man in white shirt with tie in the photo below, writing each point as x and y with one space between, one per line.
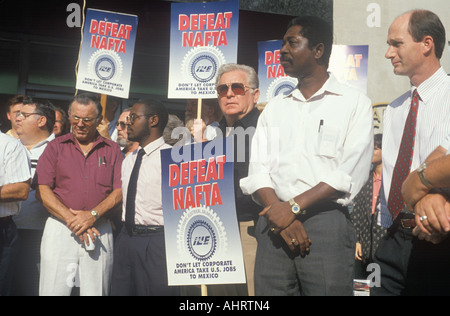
409 266
311 154
140 257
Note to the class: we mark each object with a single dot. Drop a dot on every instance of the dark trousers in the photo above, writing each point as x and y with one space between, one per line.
326 270
27 272
410 266
140 266
8 254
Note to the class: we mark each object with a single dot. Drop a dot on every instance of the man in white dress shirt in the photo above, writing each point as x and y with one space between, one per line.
410 266
14 187
317 164
140 257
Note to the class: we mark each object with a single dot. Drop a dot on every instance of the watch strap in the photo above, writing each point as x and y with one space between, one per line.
423 178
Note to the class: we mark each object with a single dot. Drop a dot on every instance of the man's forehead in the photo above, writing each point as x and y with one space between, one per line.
30 106
80 107
15 107
124 115
294 31
138 108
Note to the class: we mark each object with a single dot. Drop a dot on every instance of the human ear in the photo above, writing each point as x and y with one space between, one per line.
428 45
318 50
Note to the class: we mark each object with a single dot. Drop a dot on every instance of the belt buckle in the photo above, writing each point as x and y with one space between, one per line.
136 230
408 223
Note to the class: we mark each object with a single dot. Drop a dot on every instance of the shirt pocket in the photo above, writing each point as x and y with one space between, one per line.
328 141
105 176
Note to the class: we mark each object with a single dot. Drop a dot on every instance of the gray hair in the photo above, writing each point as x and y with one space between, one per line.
252 76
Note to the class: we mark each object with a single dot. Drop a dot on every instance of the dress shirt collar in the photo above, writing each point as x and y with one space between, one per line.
427 89
44 142
331 86
154 145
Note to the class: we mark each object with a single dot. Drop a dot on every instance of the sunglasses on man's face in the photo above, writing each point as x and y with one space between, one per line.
237 88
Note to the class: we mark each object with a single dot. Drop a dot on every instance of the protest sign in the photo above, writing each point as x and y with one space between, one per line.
272 78
349 63
202 237
203 36
107 51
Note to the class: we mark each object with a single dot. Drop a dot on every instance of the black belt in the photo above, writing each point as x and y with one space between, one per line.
5 219
143 230
323 207
405 221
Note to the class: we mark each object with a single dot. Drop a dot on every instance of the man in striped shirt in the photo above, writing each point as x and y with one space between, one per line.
410 266
14 187
34 123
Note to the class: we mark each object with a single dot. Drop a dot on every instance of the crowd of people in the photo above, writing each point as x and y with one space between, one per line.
80 200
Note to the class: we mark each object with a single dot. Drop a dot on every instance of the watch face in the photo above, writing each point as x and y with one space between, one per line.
295 209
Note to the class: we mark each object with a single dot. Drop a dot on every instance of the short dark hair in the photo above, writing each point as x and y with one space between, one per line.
86 98
44 108
17 99
153 106
378 140
426 23
317 31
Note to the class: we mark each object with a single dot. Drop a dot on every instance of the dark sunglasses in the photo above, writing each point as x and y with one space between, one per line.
123 125
237 88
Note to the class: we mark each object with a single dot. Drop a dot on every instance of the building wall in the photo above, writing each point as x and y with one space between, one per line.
366 22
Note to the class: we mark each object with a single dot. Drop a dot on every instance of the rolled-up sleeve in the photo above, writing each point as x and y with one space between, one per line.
260 161
351 173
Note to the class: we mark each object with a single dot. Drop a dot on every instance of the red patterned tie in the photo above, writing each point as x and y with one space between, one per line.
404 159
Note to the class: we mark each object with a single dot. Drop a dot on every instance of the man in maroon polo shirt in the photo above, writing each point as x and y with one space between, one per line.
78 178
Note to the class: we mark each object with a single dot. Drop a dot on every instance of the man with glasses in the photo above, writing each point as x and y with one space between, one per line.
122 134
34 125
311 155
78 178
139 256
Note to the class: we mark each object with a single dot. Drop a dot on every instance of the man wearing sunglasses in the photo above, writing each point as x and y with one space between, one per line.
122 134
311 155
78 178
237 91
139 255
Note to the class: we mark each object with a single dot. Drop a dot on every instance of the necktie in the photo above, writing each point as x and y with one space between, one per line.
404 159
130 208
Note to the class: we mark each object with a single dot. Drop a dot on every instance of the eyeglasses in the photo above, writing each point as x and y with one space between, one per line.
123 125
84 120
25 115
132 118
237 88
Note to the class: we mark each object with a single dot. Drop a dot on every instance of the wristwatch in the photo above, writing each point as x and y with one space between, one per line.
295 208
95 214
421 173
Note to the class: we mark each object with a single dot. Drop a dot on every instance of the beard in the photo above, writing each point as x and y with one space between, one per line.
122 142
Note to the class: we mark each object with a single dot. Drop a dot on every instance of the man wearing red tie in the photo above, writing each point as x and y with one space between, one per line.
415 124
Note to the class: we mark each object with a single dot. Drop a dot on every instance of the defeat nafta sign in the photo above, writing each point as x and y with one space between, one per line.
107 52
